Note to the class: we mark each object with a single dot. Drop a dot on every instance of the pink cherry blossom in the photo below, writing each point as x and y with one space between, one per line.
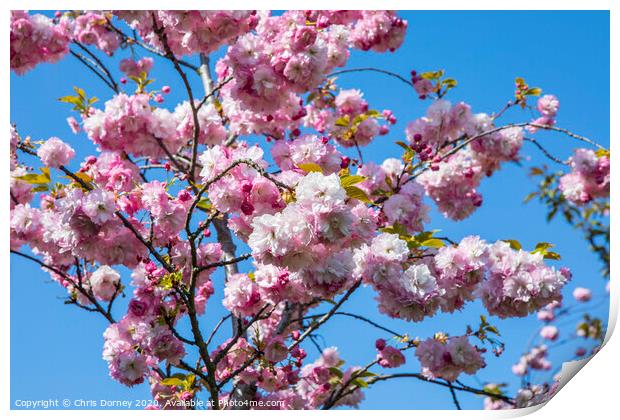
55 153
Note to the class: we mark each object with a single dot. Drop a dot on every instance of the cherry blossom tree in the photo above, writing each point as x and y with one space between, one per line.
171 195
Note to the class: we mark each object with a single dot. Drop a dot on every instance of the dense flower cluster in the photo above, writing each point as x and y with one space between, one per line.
55 153
77 223
447 358
137 343
317 222
129 124
547 106
190 31
289 155
92 29
134 68
114 173
511 283
589 177
212 131
287 57
37 39
314 384
519 282
345 117
322 225
456 173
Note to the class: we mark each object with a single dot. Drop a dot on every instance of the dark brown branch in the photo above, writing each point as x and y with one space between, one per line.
372 69
454 397
134 40
92 68
101 65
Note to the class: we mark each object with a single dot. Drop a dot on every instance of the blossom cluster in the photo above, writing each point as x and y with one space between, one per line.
190 31
345 117
55 153
76 224
447 358
548 107
130 124
314 228
457 171
512 283
288 155
289 55
134 68
589 177
37 39
321 225
137 343
92 28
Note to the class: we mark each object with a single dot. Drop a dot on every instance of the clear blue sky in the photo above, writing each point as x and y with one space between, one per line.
56 348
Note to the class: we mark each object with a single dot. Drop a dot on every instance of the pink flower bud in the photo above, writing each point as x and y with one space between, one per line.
380 344
582 294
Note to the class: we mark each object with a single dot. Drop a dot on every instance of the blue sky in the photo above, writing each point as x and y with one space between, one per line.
56 348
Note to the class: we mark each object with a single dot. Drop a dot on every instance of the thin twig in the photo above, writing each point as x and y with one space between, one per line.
92 68
372 69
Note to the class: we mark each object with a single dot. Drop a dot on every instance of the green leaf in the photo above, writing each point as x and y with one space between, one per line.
530 196
204 204
70 100
404 145
46 172
189 381
359 119
433 243
423 236
170 279
542 246
533 91
310 167
358 194
514 244
172 382
360 383
397 229
602 152
432 75
82 176
336 371
550 255
349 180
35 179
494 389
80 92
365 374
343 121
450 83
